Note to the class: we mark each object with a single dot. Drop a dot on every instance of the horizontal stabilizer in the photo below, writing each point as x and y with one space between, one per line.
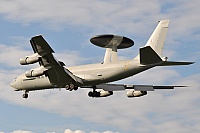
175 63
149 56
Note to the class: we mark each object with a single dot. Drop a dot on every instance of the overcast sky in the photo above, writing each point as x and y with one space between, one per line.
68 26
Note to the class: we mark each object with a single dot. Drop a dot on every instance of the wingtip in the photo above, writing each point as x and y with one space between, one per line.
192 62
189 63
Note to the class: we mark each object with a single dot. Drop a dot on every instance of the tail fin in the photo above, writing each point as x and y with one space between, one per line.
157 39
151 53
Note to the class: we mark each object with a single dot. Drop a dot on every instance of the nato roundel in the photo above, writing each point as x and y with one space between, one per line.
108 40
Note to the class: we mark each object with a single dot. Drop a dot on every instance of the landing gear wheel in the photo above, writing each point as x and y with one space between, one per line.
90 94
25 95
94 94
71 87
67 87
75 87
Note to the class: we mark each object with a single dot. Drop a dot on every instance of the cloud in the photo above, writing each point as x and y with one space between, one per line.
10 55
99 16
104 132
70 131
75 12
20 131
66 131
96 15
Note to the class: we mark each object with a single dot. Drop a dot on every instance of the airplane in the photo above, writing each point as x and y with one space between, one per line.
52 73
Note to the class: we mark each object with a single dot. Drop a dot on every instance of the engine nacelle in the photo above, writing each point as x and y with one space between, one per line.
101 93
35 72
29 59
133 93
105 93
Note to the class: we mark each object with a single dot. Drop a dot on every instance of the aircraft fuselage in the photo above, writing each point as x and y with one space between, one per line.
91 74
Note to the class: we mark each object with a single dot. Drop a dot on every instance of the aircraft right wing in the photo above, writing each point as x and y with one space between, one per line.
54 69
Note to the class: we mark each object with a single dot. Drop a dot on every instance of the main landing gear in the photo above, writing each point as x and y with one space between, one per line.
94 93
71 87
25 95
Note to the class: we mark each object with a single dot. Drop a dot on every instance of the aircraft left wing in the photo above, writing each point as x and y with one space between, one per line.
119 87
54 69
104 90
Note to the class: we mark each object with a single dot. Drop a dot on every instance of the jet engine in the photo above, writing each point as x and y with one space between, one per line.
133 93
35 72
29 59
100 93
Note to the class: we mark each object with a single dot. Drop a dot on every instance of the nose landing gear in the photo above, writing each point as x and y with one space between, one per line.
25 95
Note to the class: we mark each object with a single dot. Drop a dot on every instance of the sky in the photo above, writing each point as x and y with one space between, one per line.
68 26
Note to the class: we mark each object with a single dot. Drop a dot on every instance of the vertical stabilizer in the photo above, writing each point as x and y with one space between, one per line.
157 39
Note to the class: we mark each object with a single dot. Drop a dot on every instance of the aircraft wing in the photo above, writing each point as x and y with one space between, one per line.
119 87
104 90
56 72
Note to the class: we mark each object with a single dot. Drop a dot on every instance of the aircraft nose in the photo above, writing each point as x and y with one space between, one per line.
14 84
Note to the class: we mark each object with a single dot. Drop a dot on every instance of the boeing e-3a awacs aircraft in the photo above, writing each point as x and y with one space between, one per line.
52 73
